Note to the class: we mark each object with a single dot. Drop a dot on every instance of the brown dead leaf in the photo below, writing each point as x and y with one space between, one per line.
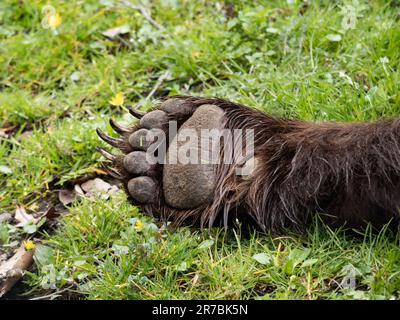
51 213
67 196
24 218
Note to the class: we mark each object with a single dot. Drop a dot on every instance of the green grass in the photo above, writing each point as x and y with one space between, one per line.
54 90
101 254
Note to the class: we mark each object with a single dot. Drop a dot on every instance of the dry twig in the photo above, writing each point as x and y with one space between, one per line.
13 269
144 13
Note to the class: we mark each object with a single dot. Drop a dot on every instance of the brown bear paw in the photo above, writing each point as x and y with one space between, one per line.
171 161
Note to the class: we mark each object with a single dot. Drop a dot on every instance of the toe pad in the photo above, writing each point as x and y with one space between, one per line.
143 189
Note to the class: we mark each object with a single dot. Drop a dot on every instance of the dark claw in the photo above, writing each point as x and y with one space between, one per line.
136 113
114 173
106 154
115 142
118 128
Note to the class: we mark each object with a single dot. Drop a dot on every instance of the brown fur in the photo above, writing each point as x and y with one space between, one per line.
347 172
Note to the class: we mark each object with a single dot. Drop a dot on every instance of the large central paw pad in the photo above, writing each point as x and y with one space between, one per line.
160 166
189 176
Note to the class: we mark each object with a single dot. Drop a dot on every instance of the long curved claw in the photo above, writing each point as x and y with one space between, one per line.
118 128
114 173
115 142
106 154
136 113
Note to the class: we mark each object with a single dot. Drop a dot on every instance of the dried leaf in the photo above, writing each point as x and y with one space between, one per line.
24 218
101 185
88 186
96 186
67 196
78 190
113 189
113 32
51 213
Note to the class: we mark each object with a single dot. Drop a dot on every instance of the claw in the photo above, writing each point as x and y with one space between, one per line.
114 173
115 142
118 128
136 113
106 154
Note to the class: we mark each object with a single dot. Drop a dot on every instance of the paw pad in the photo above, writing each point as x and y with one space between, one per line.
179 186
